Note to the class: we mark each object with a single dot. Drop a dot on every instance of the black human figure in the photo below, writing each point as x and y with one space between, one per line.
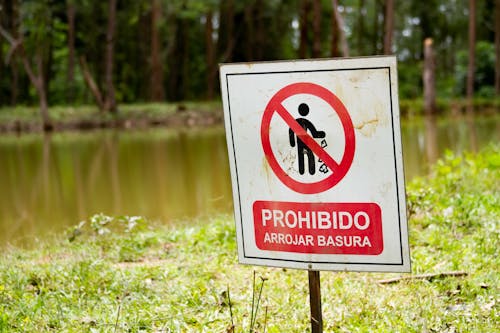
302 148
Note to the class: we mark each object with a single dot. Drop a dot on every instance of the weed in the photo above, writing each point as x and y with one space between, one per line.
256 298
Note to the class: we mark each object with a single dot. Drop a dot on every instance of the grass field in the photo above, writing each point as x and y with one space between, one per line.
125 274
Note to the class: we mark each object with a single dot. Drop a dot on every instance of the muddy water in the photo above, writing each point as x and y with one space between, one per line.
51 182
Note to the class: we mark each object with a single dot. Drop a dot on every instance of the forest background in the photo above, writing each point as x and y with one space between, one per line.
57 52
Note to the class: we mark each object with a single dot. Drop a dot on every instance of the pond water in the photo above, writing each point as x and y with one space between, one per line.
51 182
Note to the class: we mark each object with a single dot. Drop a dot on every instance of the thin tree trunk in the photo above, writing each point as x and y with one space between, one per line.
340 25
70 12
231 39
472 54
47 56
361 27
497 47
38 80
157 92
305 9
94 89
226 41
260 33
334 42
316 25
42 92
3 66
250 35
210 55
12 13
186 31
110 101
15 83
388 26
429 78
375 27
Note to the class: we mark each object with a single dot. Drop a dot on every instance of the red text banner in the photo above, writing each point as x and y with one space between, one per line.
318 228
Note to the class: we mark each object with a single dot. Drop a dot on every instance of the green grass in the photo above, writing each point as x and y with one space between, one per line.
125 274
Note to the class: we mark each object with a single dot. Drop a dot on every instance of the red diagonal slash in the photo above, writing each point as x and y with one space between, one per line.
339 169
306 138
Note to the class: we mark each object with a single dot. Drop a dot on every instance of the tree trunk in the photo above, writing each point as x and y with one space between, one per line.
173 58
226 41
340 25
375 27
3 65
185 73
250 35
497 47
429 78
37 80
316 25
334 42
472 54
388 26
47 53
210 55
94 89
11 12
260 30
3 69
42 93
70 12
361 27
157 92
305 9
110 102
231 39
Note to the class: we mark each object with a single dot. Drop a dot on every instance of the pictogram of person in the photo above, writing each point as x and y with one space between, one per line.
302 148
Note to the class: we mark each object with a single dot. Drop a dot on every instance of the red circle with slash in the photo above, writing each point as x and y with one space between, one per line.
339 169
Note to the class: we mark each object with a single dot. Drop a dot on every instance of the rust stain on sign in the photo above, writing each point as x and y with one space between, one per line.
368 120
368 127
266 169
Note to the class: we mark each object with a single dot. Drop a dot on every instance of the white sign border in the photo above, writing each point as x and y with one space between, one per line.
321 65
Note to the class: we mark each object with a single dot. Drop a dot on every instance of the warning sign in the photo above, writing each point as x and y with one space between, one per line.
333 228
302 134
316 164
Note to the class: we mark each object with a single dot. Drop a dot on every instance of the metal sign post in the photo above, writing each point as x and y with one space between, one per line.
315 302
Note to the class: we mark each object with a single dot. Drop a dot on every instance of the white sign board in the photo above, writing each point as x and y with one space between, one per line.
316 163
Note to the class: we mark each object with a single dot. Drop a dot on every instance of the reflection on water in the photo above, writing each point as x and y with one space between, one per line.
50 182
425 140
54 181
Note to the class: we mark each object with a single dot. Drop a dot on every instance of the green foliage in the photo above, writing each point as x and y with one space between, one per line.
484 79
127 274
36 17
410 78
183 47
